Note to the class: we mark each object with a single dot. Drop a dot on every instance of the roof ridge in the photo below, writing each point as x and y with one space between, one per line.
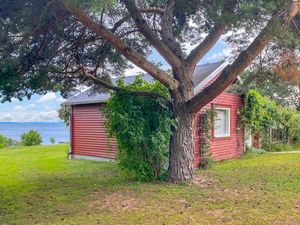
211 63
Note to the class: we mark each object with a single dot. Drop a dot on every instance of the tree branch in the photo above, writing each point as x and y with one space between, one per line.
122 47
166 25
104 84
210 40
230 73
142 10
143 27
157 10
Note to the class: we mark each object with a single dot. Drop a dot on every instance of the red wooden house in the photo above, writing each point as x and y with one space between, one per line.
89 138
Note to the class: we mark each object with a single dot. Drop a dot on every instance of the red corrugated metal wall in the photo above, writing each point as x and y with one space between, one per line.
228 147
89 135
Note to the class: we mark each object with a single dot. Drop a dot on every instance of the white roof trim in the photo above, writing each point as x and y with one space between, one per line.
211 76
83 103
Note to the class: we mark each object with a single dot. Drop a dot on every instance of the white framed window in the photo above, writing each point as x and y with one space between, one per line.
222 122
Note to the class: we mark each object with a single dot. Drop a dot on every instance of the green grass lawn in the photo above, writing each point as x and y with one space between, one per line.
39 185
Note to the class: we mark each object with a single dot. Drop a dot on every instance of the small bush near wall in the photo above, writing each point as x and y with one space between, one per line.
31 138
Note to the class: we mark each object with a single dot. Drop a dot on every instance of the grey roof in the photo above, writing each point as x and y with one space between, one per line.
204 70
87 97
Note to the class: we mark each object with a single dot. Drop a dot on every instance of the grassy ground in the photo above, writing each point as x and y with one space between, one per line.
40 186
284 148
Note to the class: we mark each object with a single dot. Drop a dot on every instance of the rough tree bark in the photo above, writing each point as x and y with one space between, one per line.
181 158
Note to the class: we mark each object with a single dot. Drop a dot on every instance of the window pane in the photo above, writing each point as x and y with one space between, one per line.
222 123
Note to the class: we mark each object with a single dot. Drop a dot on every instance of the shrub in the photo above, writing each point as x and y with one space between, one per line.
142 126
258 112
52 140
8 142
290 120
2 141
64 113
278 147
274 147
253 150
31 138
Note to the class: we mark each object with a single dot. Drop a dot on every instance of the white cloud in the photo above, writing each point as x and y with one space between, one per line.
49 97
15 100
41 109
226 52
31 105
61 100
19 108
188 47
7 117
47 108
134 70
49 115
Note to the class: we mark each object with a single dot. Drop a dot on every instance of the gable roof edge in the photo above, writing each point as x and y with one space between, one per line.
211 76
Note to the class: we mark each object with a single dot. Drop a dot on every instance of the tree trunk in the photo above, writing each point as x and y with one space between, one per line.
181 161
287 136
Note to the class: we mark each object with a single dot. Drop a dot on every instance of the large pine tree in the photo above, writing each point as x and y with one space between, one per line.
60 44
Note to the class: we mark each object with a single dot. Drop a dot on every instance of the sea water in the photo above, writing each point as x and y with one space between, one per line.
57 130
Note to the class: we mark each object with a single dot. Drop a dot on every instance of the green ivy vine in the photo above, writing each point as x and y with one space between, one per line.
142 127
207 119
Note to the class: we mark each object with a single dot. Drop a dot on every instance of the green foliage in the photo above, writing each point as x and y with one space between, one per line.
2 141
252 150
8 142
42 44
269 84
206 126
98 5
64 113
290 120
275 147
258 112
31 138
279 147
142 126
52 140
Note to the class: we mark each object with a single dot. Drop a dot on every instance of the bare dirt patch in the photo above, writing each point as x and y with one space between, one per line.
120 200
203 180
217 213
183 203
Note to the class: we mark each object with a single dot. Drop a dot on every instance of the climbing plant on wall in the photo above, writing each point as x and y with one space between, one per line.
207 119
142 126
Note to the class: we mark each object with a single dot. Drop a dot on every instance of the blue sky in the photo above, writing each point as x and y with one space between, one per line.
43 108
